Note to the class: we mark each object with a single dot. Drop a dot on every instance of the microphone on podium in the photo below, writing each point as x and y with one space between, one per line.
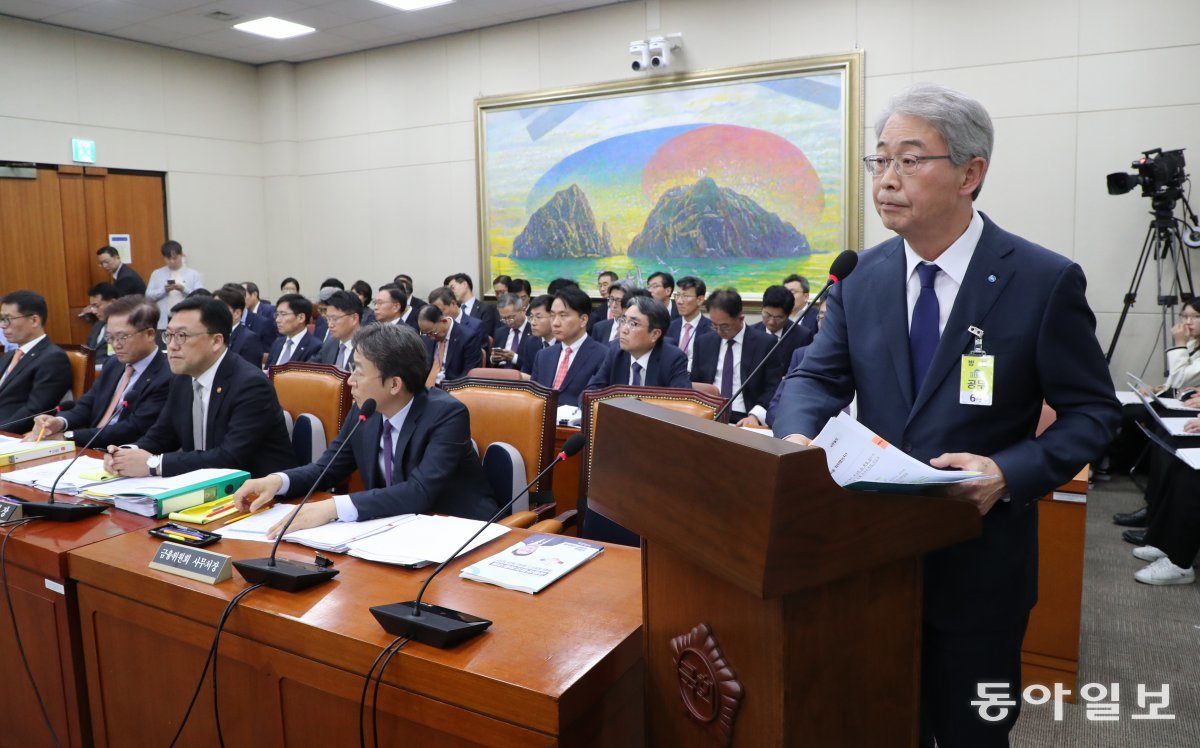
57 512
841 267
443 627
289 575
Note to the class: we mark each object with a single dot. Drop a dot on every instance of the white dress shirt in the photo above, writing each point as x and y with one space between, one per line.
739 402
953 263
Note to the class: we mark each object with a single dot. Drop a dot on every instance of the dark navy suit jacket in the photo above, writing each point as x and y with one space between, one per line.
602 330
128 282
434 468
330 351
530 348
797 338
146 399
755 347
307 350
462 351
667 368
675 331
262 324
793 365
584 362
501 341
246 343
245 426
38 383
1031 306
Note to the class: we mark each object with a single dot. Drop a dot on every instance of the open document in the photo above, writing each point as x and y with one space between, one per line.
1173 426
861 459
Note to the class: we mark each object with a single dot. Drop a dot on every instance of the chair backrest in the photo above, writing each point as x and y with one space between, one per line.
706 388
513 375
505 471
321 390
518 412
83 368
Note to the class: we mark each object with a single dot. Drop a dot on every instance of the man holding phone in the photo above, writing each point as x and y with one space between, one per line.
172 282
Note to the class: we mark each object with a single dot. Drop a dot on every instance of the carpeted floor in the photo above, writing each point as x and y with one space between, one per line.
1131 633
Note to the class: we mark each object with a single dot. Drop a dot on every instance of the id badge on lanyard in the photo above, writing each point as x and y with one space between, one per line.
977 383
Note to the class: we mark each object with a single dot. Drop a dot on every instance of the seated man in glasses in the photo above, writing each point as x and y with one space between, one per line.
640 357
221 412
777 303
36 375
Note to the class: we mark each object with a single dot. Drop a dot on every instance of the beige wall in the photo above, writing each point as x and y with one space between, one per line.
362 165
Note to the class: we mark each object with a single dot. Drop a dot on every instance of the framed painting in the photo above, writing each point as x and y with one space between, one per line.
739 176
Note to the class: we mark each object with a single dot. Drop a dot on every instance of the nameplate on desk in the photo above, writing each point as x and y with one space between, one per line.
193 563
9 512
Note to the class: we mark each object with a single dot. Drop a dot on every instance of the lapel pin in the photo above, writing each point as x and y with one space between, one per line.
219 390
991 279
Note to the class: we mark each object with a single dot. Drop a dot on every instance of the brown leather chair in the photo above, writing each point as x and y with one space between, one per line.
321 390
706 388
518 412
83 368
512 375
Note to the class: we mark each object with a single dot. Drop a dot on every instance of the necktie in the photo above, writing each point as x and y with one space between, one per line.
197 414
727 370
287 353
687 336
344 357
116 398
516 341
17 354
923 335
435 371
563 364
636 381
387 452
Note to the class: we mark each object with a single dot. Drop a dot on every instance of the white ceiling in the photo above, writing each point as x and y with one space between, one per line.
342 25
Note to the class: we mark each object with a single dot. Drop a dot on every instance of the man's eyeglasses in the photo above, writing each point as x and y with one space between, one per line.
630 323
183 336
6 321
123 338
906 165
335 318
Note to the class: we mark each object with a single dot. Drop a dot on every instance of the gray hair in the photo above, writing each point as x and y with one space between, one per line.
961 121
509 300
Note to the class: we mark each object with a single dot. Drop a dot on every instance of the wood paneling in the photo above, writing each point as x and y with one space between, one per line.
133 204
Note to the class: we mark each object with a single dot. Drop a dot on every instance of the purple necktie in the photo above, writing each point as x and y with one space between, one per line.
387 452
727 370
637 375
923 335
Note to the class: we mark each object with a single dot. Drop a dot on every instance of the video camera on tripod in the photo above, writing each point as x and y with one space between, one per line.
1158 172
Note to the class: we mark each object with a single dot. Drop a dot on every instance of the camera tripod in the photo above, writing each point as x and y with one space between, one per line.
1173 268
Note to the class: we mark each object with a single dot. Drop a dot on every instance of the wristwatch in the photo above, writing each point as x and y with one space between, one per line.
154 462
69 435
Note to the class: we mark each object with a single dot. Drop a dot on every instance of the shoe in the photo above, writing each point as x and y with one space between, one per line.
1131 519
1137 537
1148 553
1163 572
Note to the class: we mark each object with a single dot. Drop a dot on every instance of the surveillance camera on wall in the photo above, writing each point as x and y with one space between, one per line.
654 53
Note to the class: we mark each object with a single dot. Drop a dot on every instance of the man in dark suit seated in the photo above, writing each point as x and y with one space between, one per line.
242 340
344 311
124 278
293 312
792 367
414 455
506 348
895 335
642 357
541 332
606 330
99 297
443 298
451 349
569 364
727 358
36 375
777 304
798 286
464 293
137 372
661 286
221 412
260 316
391 307
690 323
602 312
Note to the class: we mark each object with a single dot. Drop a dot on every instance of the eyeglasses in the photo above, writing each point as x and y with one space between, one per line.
615 300
906 165
335 318
183 336
6 321
681 296
508 319
539 317
630 323
123 338
281 315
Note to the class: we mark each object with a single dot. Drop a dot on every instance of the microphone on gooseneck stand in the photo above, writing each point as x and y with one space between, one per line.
286 574
442 627
842 266
58 512
47 411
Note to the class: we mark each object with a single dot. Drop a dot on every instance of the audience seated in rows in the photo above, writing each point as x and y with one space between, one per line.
452 349
242 340
641 356
293 313
343 311
513 331
728 358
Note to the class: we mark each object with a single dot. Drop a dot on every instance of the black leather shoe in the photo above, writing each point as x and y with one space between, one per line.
1137 537
1131 519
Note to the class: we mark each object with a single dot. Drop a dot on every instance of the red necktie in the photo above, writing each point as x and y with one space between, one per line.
563 365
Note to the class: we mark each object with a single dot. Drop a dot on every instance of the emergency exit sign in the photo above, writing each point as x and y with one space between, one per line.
83 151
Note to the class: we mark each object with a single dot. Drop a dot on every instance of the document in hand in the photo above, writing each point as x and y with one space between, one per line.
861 459
533 564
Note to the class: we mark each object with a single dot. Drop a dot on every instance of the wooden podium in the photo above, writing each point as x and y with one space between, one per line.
779 608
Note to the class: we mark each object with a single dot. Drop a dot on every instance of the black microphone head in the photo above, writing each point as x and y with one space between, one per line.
574 444
367 409
843 265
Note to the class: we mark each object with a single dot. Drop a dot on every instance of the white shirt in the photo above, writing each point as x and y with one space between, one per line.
467 306
953 263
739 402
572 348
445 346
695 323
403 315
644 362
206 383
295 344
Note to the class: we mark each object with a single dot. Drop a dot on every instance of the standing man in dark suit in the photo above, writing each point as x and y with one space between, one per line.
242 340
895 334
642 356
137 372
37 374
260 316
798 286
451 349
690 323
776 309
506 349
541 329
569 364
464 292
414 455
125 278
100 296
221 412
344 311
727 359
293 312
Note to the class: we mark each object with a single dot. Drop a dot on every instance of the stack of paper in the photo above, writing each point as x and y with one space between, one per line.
336 537
158 496
255 526
533 564
86 472
425 539
861 459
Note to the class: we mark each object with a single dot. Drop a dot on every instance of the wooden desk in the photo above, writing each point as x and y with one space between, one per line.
562 667
45 604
